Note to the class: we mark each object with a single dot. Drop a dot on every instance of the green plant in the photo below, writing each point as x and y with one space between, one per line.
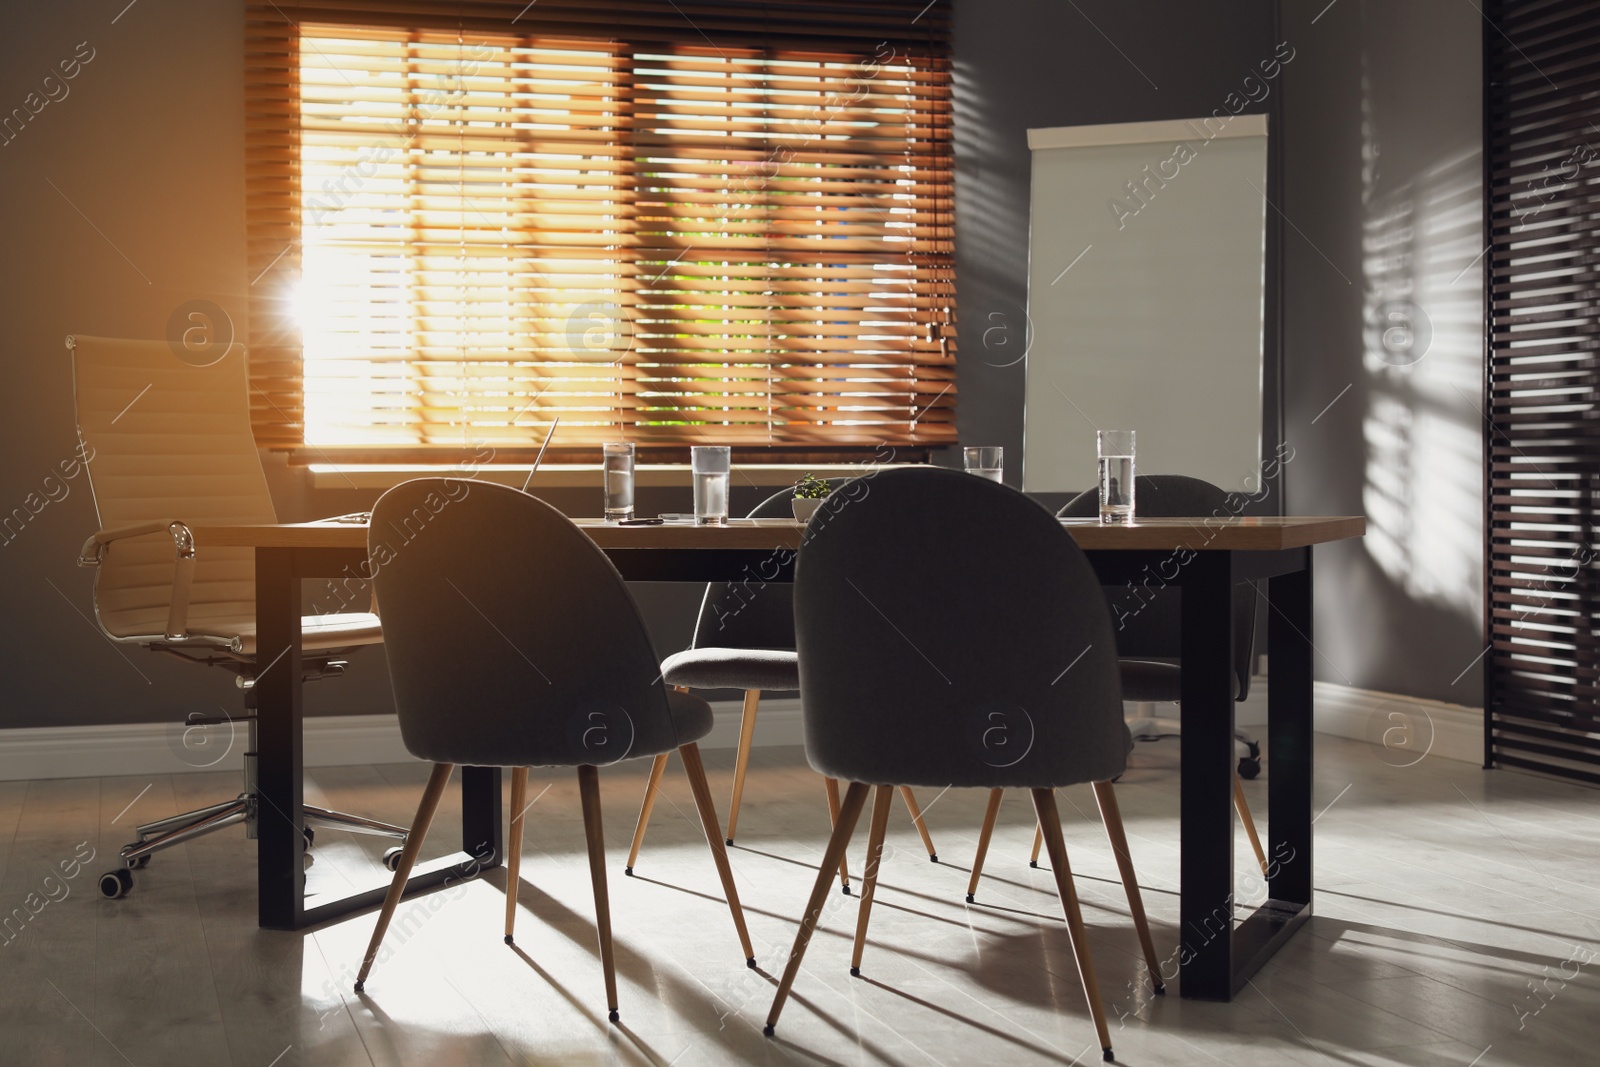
811 488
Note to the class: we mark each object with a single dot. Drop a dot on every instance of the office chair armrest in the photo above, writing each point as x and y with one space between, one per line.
94 549
93 552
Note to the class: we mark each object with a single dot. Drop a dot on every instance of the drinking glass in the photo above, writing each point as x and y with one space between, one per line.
617 458
1116 475
712 465
986 462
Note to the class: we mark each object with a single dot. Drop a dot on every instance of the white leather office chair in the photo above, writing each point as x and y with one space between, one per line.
171 448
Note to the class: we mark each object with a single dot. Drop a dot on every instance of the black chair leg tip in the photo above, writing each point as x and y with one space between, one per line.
766 1030
510 940
729 841
750 963
845 890
855 972
1034 864
970 900
616 1016
628 871
1161 989
361 987
1108 1056
933 857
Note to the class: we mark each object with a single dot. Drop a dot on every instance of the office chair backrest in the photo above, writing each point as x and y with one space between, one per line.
1150 618
168 440
755 611
511 639
951 633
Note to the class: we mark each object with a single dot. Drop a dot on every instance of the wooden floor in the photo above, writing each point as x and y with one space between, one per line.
1458 923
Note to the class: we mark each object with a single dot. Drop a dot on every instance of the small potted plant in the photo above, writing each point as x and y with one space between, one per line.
809 493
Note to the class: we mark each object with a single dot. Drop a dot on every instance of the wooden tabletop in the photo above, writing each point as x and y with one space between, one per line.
1246 534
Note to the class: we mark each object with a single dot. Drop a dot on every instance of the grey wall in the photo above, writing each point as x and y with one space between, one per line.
148 148
120 201
1024 64
1383 185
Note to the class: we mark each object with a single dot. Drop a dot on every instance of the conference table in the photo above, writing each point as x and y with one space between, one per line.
1204 557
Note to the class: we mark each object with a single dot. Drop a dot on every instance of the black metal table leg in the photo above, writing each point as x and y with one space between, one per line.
1289 737
1289 752
1205 954
280 760
480 816
280 869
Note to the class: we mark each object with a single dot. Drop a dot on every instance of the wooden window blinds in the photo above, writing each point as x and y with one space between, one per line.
1542 156
717 223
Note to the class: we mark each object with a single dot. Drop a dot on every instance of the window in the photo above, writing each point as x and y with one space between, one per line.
693 241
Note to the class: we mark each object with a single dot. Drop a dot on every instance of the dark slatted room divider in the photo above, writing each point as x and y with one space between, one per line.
1542 153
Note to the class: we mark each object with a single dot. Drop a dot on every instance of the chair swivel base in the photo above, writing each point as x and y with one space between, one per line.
164 833
1149 728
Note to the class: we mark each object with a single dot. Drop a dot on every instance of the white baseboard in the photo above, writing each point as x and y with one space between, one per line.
1409 728
171 748
1403 725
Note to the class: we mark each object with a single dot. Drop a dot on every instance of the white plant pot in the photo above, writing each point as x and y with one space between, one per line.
805 507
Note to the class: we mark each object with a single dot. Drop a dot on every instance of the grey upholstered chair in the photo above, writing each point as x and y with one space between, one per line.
513 642
1150 644
952 634
744 639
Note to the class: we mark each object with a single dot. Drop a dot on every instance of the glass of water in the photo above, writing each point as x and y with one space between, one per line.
1116 475
986 462
617 457
712 465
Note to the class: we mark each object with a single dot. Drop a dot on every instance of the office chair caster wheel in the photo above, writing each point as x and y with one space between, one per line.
114 885
391 858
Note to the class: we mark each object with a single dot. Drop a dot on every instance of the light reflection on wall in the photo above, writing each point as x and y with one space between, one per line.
1423 491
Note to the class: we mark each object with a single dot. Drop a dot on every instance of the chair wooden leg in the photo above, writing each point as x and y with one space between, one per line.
922 827
650 791
1038 843
1044 803
747 729
589 791
408 859
882 799
1243 805
855 798
989 817
519 794
696 770
1111 815
832 786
